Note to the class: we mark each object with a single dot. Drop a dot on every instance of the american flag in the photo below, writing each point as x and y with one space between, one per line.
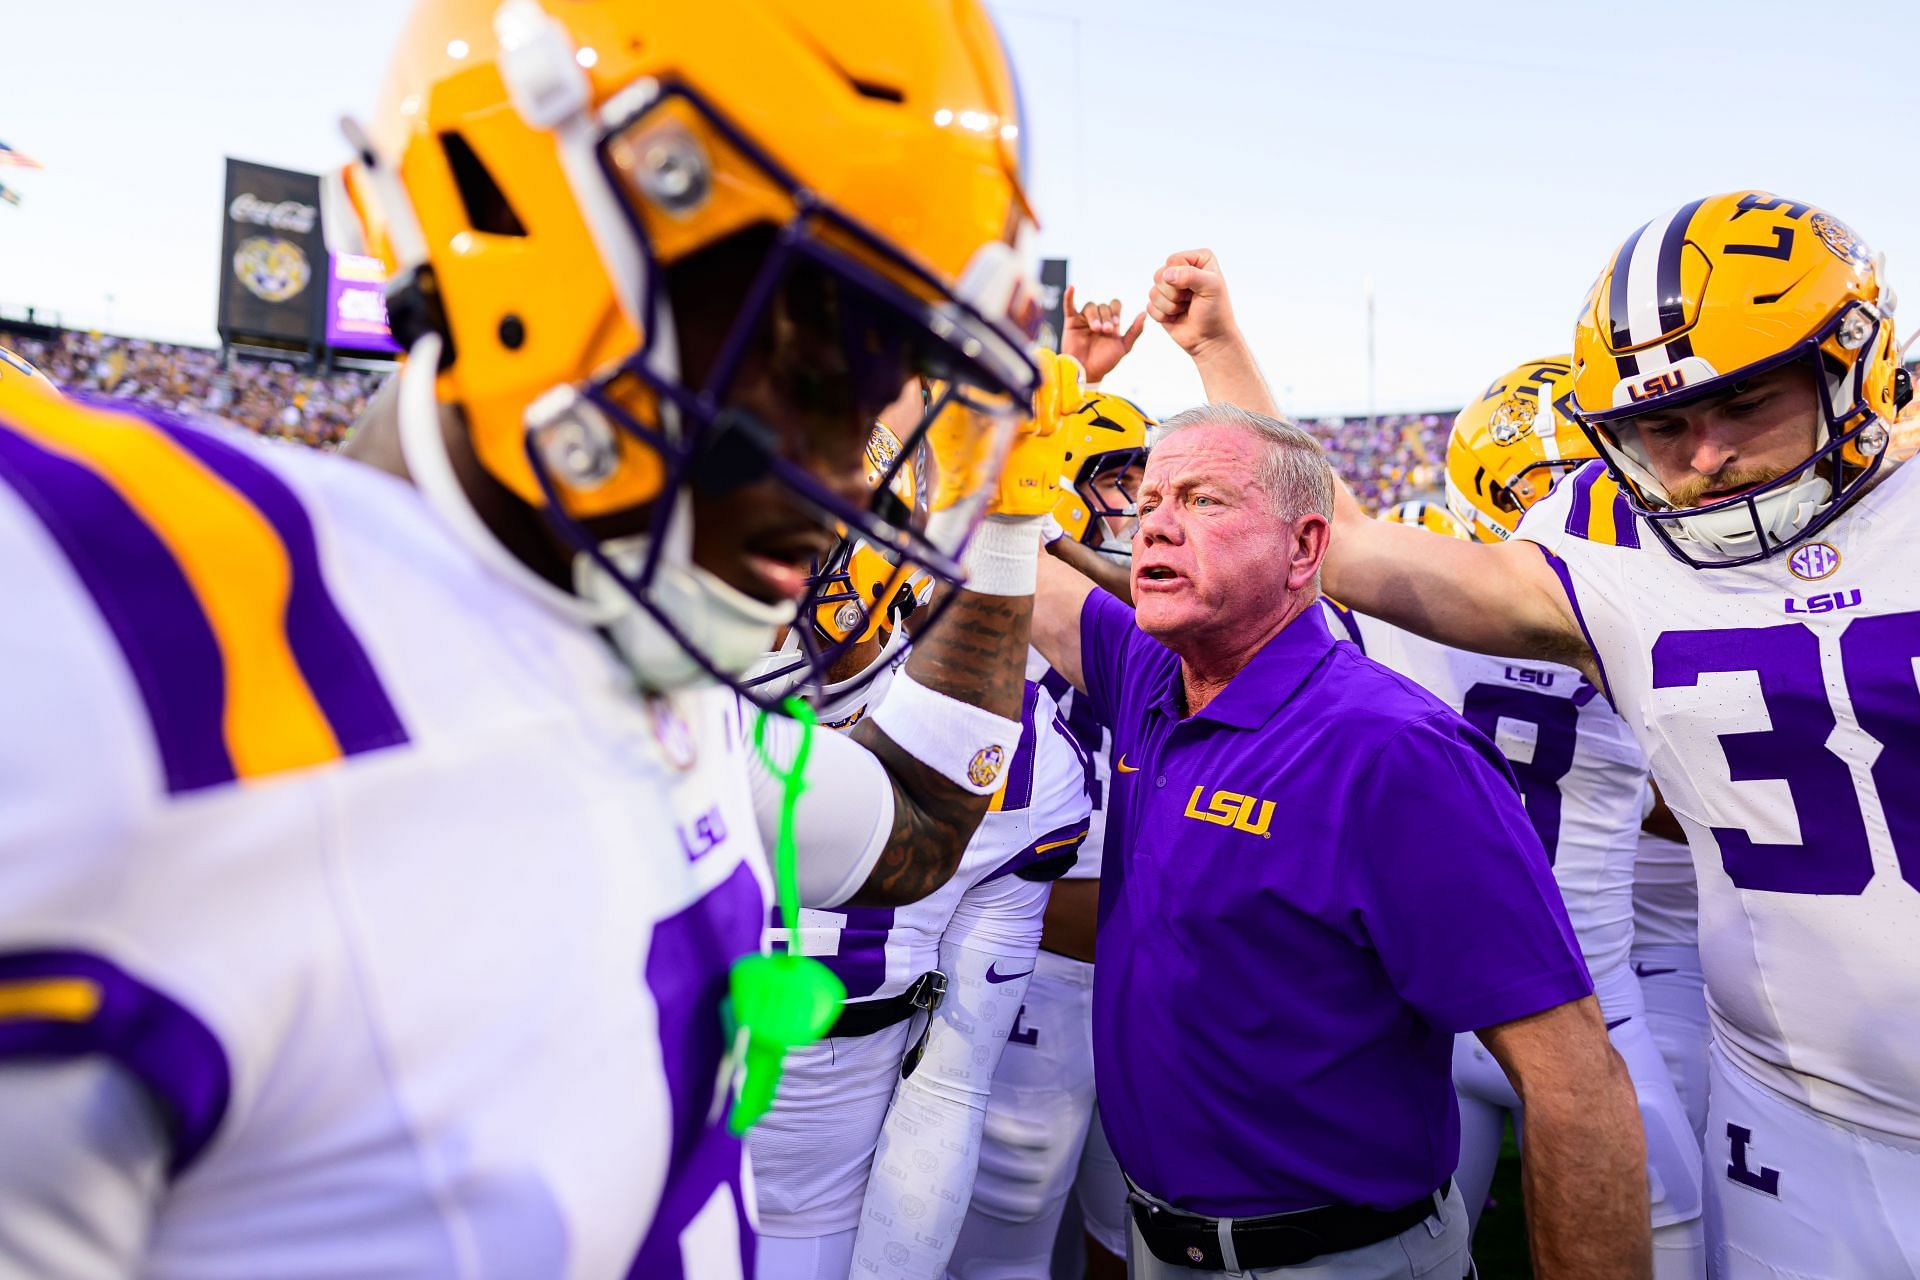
10 158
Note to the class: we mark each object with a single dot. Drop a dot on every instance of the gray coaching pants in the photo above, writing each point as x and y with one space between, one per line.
1432 1250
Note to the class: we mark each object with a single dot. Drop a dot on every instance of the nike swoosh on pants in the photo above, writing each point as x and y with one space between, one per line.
994 974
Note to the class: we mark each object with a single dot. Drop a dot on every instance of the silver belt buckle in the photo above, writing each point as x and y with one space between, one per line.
929 991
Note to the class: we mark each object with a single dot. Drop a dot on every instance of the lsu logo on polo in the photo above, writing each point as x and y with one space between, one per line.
1231 809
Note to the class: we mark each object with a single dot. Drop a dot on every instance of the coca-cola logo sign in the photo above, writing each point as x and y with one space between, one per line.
287 215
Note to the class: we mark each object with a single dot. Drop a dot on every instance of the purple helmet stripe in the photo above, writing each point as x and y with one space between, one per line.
1673 312
144 1030
331 658
146 602
1620 335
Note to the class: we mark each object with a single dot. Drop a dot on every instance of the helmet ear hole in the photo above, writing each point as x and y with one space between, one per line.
1902 388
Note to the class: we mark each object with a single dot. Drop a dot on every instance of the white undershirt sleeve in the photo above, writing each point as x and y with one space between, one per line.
84 1168
845 815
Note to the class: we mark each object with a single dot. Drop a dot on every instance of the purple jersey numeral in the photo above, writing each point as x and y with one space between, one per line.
1556 723
1878 656
860 961
1832 856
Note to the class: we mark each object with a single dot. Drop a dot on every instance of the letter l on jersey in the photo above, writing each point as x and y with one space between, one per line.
1231 809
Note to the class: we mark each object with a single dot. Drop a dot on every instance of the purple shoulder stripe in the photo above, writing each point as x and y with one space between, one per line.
144 1030
146 602
1580 512
331 657
1625 532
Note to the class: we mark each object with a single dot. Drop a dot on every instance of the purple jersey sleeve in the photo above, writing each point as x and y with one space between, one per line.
1454 889
1110 646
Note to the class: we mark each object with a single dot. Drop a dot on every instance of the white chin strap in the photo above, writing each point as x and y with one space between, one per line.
1783 513
730 627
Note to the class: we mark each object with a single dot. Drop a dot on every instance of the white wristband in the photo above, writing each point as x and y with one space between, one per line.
968 746
1003 558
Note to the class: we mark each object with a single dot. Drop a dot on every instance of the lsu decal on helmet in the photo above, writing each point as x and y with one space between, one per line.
1110 450
1430 516
1708 296
613 226
1508 448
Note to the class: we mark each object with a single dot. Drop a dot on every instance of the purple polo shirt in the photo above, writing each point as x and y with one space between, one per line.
1309 887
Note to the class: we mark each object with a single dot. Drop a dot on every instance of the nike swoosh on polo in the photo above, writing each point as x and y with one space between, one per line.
1124 767
1617 1021
1641 971
994 974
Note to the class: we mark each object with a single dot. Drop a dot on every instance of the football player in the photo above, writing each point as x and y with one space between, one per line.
1734 572
377 860
1042 1138
1666 956
932 986
1583 779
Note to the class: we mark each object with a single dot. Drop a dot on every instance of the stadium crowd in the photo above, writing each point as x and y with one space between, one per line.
1387 461
273 397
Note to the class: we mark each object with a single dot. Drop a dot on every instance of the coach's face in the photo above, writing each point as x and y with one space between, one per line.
1211 554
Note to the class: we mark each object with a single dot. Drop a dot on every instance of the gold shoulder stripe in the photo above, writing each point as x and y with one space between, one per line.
235 563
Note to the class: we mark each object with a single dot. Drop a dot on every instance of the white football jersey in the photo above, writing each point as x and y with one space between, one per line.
812 1153
414 920
1096 743
1778 705
1581 774
1666 907
1039 814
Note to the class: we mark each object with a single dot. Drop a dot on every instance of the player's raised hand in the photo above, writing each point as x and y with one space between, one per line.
1093 336
1189 299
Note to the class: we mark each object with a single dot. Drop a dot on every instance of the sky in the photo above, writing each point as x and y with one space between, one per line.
1476 162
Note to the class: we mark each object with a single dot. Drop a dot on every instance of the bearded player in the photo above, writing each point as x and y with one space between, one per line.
374 857
1583 779
1736 573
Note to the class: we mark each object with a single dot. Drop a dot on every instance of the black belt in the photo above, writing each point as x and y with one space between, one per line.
1277 1240
864 1017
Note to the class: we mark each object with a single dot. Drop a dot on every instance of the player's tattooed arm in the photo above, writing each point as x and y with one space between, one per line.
977 654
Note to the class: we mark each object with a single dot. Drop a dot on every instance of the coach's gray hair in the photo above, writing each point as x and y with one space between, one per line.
1294 472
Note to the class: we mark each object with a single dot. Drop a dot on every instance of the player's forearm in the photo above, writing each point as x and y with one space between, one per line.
1111 576
976 655
1585 1180
1230 375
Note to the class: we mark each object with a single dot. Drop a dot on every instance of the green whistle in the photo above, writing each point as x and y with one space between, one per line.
779 1002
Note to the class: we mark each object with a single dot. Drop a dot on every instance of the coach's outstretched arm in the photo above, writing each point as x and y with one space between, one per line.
1585 1172
1501 599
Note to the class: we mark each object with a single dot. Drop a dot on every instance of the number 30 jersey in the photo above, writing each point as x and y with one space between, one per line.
1581 774
1778 706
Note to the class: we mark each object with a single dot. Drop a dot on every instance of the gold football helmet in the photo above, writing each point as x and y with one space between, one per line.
1509 447
1709 295
1430 516
1111 451
656 255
